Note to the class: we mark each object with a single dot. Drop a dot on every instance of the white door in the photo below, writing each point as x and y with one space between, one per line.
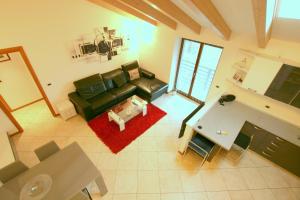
17 86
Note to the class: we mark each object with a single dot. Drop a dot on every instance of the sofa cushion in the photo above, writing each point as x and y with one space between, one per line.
90 86
119 80
130 66
124 90
134 74
102 101
108 78
148 85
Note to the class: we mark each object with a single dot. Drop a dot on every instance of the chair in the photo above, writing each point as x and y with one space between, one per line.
49 149
46 150
201 146
12 170
242 142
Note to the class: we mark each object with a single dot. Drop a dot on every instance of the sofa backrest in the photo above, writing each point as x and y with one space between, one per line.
130 66
90 86
114 79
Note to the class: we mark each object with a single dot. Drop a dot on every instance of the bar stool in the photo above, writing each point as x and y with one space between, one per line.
242 143
201 146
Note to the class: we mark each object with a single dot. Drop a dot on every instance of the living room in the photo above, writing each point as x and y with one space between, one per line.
47 32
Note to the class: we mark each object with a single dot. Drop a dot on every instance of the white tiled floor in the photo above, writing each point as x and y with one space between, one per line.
150 168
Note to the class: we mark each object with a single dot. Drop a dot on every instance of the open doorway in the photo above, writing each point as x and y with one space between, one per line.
19 85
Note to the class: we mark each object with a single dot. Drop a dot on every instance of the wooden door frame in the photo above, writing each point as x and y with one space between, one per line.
10 117
202 44
20 49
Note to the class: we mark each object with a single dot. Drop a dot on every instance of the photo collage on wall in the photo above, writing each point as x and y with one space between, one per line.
102 45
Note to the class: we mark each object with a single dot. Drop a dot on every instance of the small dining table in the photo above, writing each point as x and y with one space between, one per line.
70 170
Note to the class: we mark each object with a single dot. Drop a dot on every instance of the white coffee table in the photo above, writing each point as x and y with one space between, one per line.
126 110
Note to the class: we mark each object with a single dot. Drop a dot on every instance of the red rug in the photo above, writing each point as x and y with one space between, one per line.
110 134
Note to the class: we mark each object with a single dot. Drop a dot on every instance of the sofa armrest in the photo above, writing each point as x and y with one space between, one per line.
147 74
82 106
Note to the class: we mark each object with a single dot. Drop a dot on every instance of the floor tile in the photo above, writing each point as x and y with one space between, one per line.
107 161
233 179
295 192
224 195
272 177
291 179
283 194
240 195
168 160
109 177
126 182
253 178
147 144
191 181
148 182
212 180
124 197
170 181
148 196
264 194
174 196
147 161
196 196
128 160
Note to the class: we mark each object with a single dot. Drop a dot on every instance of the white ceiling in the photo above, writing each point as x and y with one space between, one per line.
238 14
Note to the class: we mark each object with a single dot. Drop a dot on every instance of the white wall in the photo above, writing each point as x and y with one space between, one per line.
45 28
158 57
6 126
17 86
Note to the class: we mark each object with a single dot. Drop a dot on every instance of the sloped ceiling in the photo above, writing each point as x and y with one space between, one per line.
239 16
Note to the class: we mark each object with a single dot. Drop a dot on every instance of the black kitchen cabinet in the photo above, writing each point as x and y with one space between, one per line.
285 87
274 148
259 137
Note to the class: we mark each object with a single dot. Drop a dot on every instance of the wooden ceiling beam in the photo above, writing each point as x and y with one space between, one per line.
121 8
207 8
147 9
260 18
172 9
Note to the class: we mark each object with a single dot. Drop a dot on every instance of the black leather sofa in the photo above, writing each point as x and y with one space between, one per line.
97 93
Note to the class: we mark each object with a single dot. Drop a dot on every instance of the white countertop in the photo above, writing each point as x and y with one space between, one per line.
231 117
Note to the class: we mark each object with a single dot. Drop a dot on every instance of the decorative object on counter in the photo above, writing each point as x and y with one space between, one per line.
4 57
101 45
36 188
220 132
226 98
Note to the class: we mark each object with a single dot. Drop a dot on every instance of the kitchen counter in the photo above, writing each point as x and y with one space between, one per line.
229 119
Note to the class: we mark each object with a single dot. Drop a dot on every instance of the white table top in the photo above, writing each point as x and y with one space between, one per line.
70 169
228 119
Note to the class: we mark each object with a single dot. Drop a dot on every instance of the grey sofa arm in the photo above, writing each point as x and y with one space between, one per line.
83 107
147 74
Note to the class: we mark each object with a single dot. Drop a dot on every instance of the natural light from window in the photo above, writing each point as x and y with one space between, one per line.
289 9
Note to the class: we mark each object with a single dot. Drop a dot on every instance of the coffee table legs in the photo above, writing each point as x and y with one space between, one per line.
121 125
144 109
117 119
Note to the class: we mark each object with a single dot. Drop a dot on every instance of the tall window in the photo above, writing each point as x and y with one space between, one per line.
197 66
